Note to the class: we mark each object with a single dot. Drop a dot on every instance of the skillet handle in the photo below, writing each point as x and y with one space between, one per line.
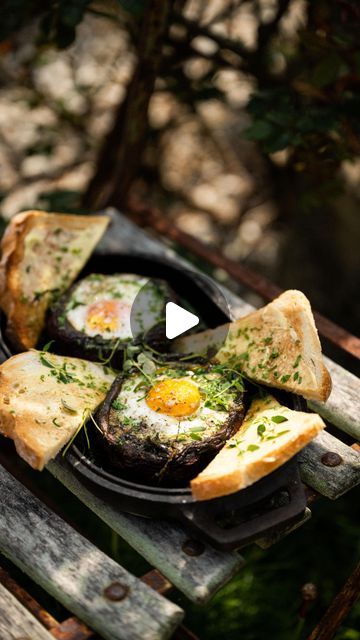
204 518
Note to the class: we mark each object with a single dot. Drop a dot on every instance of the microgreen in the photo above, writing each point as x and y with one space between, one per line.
82 425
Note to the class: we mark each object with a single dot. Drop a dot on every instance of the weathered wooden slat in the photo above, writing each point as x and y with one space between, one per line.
16 623
76 573
330 481
161 543
343 405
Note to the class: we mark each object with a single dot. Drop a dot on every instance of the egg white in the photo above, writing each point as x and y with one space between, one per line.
137 409
123 288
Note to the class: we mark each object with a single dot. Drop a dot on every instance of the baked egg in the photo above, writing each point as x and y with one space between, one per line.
166 425
96 315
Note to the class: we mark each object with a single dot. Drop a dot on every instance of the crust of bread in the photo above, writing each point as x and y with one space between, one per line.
277 345
39 411
30 272
229 472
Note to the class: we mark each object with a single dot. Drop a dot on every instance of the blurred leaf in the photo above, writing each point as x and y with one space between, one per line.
62 200
14 14
135 7
259 130
40 147
327 71
71 12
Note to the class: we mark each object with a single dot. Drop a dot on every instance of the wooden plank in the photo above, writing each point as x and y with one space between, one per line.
16 622
30 604
343 406
74 629
330 481
161 543
86 581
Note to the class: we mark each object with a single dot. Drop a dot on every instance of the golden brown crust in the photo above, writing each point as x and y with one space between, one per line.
229 472
40 412
276 346
25 312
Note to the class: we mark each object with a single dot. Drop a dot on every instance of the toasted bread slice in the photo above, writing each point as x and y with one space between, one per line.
45 398
42 254
269 436
277 346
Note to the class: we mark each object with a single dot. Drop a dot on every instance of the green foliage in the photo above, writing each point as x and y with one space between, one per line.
61 200
282 119
14 14
134 7
58 25
317 100
58 18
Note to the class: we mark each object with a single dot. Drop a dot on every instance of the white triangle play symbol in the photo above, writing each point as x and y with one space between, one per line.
178 320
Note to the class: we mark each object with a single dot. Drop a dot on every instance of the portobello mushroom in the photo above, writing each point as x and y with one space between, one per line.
99 316
164 424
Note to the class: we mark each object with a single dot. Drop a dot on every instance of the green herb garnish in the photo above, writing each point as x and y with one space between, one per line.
285 378
278 419
67 407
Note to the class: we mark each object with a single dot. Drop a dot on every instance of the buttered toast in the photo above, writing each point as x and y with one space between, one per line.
44 400
277 345
41 255
269 436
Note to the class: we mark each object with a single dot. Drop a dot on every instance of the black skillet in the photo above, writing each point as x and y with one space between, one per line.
228 522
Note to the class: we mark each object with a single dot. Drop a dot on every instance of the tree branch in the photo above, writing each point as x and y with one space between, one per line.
266 30
119 158
196 29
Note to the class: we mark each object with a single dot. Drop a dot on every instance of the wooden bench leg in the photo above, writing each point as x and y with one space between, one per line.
339 608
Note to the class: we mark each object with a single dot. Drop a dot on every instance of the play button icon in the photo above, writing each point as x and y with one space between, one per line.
178 320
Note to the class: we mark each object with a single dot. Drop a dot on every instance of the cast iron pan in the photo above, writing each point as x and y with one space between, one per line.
228 522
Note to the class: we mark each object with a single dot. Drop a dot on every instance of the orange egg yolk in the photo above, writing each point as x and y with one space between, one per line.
174 397
103 315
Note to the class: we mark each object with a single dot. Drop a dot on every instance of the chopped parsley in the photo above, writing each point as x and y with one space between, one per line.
278 419
285 378
297 361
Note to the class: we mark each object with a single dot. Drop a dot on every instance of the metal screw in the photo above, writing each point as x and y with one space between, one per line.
193 547
309 591
116 592
331 459
309 594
